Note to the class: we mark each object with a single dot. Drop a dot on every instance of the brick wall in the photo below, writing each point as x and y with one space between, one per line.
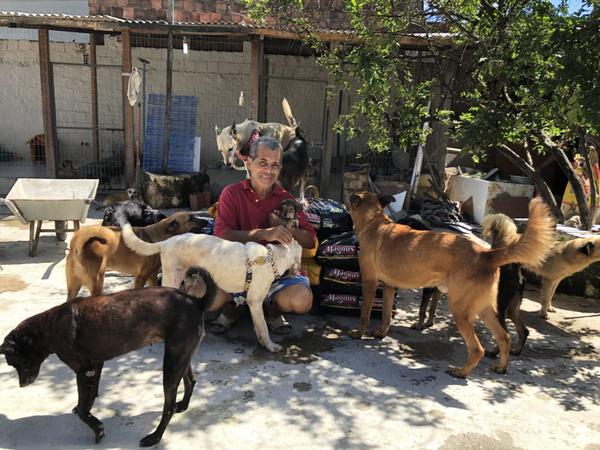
329 13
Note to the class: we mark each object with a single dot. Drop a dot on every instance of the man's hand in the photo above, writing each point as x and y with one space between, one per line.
279 233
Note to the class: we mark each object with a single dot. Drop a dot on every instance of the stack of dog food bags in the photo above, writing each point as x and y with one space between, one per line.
327 217
340 286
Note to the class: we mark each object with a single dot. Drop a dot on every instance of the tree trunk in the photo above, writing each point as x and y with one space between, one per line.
590 173
567 168
539 183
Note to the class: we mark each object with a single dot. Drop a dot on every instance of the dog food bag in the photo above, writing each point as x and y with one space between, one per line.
340 251
344 301
328 217
340 281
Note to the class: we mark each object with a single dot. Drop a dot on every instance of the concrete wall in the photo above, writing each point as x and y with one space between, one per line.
216 78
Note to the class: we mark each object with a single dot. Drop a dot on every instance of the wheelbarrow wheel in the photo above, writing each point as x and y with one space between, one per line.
60 226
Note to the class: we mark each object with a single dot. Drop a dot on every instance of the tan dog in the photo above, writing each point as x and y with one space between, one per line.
231 139
565 259
401 257
96 249
121 196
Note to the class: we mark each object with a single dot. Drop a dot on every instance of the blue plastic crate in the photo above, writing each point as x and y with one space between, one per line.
182 133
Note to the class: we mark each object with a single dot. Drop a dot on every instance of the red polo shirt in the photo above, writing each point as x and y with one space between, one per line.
241 209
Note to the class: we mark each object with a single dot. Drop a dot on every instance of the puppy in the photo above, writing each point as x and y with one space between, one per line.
131 194
96 249
234 266
288 212
138 214
401 257
85 332
37 148
230 140
503 233
565 259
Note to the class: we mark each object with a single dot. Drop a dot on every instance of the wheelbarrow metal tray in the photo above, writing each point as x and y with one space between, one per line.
52 199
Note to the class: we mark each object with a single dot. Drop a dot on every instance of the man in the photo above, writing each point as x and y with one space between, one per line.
244 215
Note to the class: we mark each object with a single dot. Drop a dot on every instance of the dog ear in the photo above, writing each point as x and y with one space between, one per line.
233 131
8 347
172 225
385 199
587 249
217 130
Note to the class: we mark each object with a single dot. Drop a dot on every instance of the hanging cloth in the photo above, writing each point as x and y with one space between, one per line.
133 87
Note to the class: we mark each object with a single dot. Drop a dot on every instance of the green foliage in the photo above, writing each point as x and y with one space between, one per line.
516 68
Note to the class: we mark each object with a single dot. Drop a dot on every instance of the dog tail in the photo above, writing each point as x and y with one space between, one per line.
136 244
287 111
501 229
94 244
535 243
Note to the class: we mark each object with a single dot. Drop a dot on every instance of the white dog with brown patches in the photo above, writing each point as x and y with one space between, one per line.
234 267
232 139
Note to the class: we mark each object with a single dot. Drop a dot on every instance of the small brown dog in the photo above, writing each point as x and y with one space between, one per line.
401 257
565 259
85 332
121 196
96 249
288 211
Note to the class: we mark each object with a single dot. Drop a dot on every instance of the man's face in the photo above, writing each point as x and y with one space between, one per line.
265 168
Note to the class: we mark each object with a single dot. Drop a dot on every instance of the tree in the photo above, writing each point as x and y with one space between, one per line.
522 74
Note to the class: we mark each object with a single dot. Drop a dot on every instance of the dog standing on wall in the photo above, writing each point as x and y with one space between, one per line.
401 257
232 139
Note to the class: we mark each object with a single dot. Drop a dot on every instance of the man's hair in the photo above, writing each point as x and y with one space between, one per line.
266 141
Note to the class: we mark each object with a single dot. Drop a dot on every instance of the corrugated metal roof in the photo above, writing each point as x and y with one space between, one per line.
58 20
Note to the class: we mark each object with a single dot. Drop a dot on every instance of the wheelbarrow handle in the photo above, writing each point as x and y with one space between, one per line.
13 208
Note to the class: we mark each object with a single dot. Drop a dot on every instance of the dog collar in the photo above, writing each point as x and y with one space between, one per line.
259 262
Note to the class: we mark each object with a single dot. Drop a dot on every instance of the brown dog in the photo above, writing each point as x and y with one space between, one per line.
96 249
401 257
85 332
565 259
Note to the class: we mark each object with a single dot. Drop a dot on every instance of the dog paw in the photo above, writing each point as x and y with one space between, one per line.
417 326
355 334
498 369
515 352
99 433
551 309
428 324
150 440
456 372
544 314
273 347
379 334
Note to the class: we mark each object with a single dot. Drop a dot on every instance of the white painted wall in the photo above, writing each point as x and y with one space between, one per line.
216 78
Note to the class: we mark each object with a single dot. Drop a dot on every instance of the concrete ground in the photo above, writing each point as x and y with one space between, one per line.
324 391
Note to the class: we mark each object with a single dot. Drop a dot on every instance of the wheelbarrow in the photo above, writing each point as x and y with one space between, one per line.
35 200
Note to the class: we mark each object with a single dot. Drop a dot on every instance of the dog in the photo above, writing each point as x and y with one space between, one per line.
565 259
503 232
288 211
86 331
37 148
95 249
103 169
294 164
231 140
234 266
401 257
138 214
116 198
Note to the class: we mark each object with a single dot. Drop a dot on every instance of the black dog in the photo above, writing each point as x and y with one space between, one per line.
294 164
85 332
138 214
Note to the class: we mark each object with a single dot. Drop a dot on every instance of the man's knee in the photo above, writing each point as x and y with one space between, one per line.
294 299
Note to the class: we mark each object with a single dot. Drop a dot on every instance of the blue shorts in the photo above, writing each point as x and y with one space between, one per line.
278 285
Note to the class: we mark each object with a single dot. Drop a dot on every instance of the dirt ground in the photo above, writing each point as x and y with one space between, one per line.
324 391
